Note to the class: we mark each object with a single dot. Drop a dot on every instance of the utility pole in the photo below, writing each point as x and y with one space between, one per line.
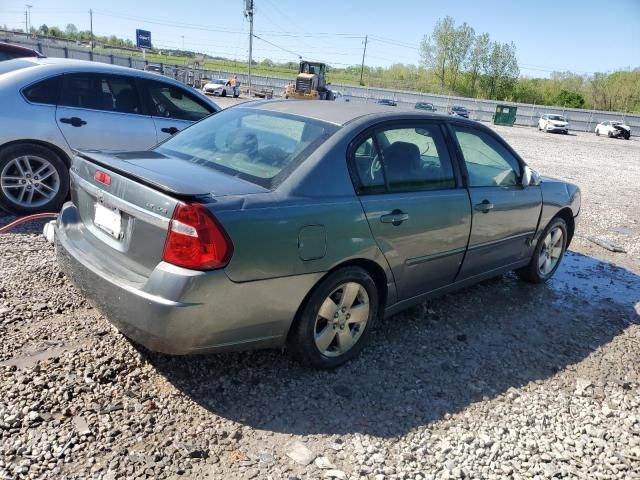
91 27
364 52
248 12
29 19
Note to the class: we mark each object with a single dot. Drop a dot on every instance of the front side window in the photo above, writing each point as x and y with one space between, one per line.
488 162
45 91
415 158
258 146
110 93
170 101
404 159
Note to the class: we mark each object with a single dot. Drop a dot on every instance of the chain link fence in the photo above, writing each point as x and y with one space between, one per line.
481 110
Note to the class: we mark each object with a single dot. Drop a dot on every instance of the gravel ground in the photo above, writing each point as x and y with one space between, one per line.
501 380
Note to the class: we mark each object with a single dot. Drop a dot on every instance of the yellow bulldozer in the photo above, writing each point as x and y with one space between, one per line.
310 83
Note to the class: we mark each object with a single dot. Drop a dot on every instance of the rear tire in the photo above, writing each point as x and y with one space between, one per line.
549 248
50 189
323 324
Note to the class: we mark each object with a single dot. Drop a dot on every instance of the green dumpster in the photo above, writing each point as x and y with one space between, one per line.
505 115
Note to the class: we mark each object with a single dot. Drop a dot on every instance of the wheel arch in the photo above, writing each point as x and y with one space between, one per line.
567 215
376 272
64 156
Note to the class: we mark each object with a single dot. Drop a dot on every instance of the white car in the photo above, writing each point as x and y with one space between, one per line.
613 129
220 87
553 123
51 107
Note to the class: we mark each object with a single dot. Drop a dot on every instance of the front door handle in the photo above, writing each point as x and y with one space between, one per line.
73 121
170 130
484 207
395 218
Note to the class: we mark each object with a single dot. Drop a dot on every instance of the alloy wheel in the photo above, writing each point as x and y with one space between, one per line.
29 181
551 251
342 319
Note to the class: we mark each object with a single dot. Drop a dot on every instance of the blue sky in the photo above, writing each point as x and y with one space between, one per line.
581 36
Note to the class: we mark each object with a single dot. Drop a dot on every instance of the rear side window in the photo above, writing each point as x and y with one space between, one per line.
45 91
170 101
407 159
111 93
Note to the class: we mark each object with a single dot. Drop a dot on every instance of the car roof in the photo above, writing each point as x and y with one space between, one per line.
340 113
66 65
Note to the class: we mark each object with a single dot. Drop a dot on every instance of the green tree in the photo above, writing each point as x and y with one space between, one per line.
43 30
459 52
500 72
71 31
478 57
435 50
569 99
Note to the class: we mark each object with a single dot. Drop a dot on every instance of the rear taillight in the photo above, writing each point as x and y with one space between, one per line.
196 240
102 177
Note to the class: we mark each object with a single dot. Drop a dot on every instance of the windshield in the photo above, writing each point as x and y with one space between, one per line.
255 145
459 109
219 82
558 118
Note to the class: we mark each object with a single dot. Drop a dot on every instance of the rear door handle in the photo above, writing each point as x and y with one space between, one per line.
395 218
484 207
73 121
170 130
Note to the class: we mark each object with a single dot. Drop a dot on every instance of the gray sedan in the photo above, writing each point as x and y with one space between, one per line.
53 106
302 224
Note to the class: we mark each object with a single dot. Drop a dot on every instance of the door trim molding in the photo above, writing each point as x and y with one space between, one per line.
410 262
499 241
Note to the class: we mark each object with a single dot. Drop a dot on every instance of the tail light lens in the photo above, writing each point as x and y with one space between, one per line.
196 240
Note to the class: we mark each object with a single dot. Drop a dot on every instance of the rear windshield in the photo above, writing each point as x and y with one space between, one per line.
258 146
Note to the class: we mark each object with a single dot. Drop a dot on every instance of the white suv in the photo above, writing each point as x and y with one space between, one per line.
553 123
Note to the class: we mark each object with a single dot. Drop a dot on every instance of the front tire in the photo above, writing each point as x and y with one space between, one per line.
224 93
33 179
597 132
334 324
548 253
609 134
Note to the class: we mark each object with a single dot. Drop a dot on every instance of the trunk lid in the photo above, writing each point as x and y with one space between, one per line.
172 175
124 220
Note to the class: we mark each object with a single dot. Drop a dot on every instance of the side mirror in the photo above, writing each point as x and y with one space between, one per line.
527 174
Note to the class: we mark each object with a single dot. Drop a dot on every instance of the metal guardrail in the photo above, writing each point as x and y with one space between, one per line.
481 110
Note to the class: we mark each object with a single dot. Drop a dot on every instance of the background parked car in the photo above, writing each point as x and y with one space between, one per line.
9 51
553 123
153 69
219 87
613 129
425 106
193 253
387 101
52 106
459 111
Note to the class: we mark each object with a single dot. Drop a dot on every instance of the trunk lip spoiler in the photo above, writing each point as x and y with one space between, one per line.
144 181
